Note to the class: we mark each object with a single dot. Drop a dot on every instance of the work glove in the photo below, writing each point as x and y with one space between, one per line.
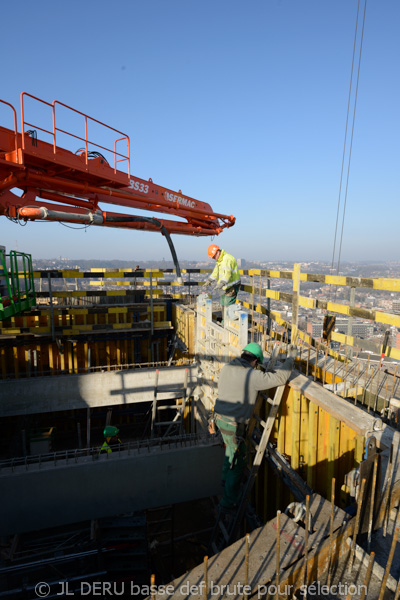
292 352
219 286
207 282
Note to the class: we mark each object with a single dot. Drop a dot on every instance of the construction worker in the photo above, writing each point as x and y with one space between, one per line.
225 275
238 387
111 438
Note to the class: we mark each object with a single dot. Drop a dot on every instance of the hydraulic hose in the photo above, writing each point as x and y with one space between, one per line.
163 230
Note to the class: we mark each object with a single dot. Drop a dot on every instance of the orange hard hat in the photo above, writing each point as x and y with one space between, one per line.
212 250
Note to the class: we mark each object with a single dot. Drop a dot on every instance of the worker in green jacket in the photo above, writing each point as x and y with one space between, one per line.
225 275
111 438
238 387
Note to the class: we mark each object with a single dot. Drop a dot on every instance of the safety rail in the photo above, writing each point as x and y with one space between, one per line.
65 457
259 299
17 288
295 300
15 124
118 157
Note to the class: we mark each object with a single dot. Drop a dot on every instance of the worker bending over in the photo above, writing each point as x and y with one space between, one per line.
238 387
225 275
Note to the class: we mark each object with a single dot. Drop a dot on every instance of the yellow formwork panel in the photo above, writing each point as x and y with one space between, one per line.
317 445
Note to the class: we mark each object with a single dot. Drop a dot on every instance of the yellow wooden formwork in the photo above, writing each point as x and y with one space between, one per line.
316 444
23 356
183 321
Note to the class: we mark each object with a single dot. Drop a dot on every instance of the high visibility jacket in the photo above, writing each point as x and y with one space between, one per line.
226 271
105 447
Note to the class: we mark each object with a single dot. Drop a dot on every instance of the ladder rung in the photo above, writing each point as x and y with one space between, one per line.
254 443
270 401
215 547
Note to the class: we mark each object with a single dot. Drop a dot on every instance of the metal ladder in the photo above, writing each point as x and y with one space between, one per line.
227 525
176 425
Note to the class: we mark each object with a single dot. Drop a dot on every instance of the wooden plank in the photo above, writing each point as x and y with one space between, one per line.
353 416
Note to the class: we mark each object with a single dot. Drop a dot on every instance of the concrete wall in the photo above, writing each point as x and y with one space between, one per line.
56 495
69 392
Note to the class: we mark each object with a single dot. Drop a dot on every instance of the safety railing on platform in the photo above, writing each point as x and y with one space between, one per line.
137 447
15 127
350 311
118 156
17 289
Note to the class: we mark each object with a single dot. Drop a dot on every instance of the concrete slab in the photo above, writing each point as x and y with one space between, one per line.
226 575
89 390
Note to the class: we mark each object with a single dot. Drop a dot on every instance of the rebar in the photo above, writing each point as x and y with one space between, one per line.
324 370
205 577
246 564
153 586
367 576
357 378
397 593
331 531
316 362
306 539
385 399
372 503
278 545
394 380
389 563
387 492
357 524
377 389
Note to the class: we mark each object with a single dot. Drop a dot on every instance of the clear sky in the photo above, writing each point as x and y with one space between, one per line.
239 104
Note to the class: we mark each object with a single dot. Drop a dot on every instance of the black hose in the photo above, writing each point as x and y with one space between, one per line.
158 224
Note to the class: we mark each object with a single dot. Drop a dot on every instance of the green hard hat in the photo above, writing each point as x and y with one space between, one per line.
255 349
110 431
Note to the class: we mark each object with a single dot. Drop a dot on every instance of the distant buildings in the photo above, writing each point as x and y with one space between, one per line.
363 329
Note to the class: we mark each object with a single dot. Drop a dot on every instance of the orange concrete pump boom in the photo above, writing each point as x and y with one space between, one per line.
61 185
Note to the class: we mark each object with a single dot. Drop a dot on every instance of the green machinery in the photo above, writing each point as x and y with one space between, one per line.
17 288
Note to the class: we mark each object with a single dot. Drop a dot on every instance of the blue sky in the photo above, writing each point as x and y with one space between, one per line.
238 104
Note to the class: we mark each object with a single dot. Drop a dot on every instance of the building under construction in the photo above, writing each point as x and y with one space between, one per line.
140 351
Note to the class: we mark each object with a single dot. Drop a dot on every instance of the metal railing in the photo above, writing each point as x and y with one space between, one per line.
17 288
138 447
15 125
118 157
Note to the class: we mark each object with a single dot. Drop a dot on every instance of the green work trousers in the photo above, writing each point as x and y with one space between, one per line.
235 451
229 297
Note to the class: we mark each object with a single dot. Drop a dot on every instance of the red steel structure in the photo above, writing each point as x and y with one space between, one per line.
60 185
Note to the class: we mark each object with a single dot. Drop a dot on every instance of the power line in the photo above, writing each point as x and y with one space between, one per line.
345 138
352 135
